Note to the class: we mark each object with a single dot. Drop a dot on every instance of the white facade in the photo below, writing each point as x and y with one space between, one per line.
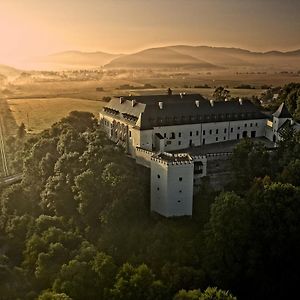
173 176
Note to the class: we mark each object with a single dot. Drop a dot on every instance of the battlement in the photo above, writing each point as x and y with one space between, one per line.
172 159
219 154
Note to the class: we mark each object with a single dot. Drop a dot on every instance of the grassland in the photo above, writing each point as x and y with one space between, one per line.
39 102
40 113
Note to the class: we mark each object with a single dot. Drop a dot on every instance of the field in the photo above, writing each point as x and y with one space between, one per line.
40 113
39 101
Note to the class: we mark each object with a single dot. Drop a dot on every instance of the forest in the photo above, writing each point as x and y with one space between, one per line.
78 225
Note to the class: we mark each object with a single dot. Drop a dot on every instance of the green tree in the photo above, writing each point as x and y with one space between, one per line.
249 160
137 283
211 293
49 295
291 173
21 131
253 242
220 93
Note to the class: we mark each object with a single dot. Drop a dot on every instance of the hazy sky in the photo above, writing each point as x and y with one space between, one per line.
38 27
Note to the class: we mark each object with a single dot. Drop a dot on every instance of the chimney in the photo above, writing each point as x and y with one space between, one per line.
133 103
197 102
121 100
241 101
211 103
226 99
170 92
181 95
160 104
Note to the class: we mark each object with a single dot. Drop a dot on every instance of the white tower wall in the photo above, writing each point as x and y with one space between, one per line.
172 187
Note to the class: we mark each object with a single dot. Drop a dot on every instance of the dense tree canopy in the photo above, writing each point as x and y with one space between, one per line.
78 226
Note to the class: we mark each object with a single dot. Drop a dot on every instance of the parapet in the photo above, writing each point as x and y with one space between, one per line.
172 159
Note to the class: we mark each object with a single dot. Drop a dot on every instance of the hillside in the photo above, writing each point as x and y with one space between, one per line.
200 57
156 58
170 57
9 71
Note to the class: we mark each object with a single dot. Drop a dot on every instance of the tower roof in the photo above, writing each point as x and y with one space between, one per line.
282 112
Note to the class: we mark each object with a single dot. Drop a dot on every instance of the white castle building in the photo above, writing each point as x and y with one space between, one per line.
173 136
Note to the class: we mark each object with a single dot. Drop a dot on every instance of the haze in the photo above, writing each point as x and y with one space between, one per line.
31 28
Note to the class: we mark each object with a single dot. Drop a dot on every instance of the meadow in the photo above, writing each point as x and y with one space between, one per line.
38 102
40 113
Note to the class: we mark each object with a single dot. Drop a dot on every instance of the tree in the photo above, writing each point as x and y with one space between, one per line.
211 293
220 94
21 131
291 173
249 160
137 283
252 243
89 275
188 295
49 295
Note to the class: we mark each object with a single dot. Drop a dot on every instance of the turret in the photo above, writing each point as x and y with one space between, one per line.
280 116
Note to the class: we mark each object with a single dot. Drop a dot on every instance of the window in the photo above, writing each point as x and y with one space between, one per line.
173 135
210 132
179 134
158 176
165 135
203 132
245 125
179 201
225 130
256 124
129 133
217 139
197 132
179 143
239 128
250 124
217 131
191 133
231 129
180 178
158 188
180 191
224 138
203 142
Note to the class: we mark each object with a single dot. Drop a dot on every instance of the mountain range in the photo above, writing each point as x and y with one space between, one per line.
174 57
182 56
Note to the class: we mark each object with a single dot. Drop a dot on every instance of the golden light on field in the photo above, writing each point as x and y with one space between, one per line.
39 113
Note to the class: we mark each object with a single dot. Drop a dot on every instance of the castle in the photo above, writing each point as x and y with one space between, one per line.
176 135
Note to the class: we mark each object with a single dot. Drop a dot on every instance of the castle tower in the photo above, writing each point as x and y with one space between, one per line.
280 116
172 184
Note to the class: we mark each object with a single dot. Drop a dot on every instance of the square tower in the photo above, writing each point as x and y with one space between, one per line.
172 184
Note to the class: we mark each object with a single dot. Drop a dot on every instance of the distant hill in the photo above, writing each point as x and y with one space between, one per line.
170 57
9 71
78 59
204 57
165 57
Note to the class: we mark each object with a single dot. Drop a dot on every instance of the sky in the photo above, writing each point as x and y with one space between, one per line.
33 28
